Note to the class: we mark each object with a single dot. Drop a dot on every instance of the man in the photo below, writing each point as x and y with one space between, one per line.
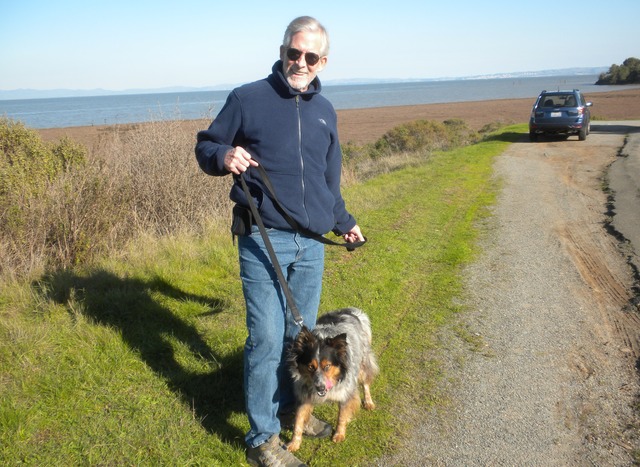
284 124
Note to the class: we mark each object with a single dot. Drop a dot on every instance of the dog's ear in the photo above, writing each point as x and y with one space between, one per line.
339 341
304 339
339 344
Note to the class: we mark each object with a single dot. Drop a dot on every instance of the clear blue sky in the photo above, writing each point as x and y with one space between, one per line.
130 44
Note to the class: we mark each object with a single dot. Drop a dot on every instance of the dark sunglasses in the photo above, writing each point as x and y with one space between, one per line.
309 57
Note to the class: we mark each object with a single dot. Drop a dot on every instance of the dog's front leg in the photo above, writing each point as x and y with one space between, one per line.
303 413
346 413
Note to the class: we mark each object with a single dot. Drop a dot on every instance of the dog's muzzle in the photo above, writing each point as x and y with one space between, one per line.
323 385
320 385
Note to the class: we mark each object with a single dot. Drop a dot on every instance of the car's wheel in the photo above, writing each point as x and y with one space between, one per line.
582 135
533 136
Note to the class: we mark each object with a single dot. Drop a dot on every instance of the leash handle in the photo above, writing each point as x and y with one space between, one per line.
297 317
294 225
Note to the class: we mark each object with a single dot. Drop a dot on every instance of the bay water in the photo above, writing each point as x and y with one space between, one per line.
134 108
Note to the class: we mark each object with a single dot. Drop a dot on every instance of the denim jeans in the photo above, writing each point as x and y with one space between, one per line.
267 383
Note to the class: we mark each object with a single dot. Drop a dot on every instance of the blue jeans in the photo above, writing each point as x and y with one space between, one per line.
267 383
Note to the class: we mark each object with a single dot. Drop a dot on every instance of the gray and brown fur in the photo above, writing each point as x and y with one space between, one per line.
327 364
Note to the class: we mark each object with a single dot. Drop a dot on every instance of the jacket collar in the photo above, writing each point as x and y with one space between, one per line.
314 87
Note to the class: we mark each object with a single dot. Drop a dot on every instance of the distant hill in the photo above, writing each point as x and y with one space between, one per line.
55 93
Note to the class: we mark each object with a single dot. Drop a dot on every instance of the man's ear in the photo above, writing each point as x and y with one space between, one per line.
321 64
283 51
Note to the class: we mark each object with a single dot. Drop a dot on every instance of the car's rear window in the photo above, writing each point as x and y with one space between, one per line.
558 100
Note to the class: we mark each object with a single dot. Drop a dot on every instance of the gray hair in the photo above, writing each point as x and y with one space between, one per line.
308 24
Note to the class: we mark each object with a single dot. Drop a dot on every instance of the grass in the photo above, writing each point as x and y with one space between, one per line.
138 360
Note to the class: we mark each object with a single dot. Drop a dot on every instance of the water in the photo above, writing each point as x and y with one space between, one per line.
108 110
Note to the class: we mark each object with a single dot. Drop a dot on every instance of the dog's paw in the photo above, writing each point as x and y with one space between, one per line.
369 405
338 438
293 446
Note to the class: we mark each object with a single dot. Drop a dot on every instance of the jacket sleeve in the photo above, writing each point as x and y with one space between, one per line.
214 143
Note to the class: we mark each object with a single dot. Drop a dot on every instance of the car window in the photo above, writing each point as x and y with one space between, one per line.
559 100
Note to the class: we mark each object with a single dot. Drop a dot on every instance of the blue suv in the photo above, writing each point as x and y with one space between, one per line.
560 112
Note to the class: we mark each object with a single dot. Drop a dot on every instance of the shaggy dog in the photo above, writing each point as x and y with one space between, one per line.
327 364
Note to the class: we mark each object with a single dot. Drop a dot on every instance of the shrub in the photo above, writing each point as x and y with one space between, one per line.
165 189
27 163
424 135
49 209
403 145
60 206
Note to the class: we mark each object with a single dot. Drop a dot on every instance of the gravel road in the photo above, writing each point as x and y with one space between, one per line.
553 304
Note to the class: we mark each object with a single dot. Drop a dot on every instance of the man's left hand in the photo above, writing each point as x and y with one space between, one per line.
354 235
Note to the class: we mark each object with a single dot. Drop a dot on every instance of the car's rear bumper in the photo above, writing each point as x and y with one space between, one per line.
556 127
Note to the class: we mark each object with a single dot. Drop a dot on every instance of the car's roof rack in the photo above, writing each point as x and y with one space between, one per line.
561 90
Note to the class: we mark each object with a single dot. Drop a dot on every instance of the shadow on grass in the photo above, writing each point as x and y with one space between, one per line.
128 306
509 137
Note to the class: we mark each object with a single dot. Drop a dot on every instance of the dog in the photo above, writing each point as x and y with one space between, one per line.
327 364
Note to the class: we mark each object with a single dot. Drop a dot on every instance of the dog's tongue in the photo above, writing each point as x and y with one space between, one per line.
328 383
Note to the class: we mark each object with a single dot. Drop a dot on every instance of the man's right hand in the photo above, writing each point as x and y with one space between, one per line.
237 160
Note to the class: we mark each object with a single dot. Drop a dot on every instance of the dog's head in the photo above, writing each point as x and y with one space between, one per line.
319 363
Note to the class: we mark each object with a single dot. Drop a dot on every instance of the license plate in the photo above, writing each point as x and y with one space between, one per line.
555 114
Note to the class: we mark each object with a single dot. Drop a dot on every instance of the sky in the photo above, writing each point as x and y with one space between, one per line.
139 44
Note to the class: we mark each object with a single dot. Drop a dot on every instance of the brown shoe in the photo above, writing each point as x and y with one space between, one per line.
272 454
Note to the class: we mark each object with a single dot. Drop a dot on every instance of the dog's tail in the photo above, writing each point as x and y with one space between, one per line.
364 321
369 363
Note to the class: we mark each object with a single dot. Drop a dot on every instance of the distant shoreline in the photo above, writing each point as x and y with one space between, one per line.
26 94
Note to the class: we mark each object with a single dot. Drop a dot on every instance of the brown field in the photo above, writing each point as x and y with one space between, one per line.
367 125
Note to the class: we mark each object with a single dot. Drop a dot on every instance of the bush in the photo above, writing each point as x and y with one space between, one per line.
60 206
50 201
403 145
425 135
27 163
165 189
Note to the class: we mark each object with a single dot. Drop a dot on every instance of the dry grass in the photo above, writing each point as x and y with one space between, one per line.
166 190
143 180
137 180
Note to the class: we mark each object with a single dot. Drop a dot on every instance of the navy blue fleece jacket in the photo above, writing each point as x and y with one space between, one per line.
293 135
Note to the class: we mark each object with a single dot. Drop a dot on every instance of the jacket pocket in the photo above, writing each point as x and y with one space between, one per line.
241 220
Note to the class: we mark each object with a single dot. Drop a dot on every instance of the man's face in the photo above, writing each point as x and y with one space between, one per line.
298 72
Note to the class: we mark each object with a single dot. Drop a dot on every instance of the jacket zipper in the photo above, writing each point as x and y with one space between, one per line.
301 157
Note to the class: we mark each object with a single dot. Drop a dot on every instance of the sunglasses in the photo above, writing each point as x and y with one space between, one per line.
309 57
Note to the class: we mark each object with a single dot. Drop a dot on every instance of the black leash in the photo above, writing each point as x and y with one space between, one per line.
297 317
294 225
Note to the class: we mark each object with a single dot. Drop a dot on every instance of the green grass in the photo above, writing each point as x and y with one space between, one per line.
139 360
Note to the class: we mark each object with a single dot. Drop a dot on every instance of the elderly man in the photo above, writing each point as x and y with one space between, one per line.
283 124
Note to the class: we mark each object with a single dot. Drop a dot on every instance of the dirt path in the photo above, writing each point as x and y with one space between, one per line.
553 380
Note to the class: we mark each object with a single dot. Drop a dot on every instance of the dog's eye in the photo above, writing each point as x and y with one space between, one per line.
327 367
311 368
